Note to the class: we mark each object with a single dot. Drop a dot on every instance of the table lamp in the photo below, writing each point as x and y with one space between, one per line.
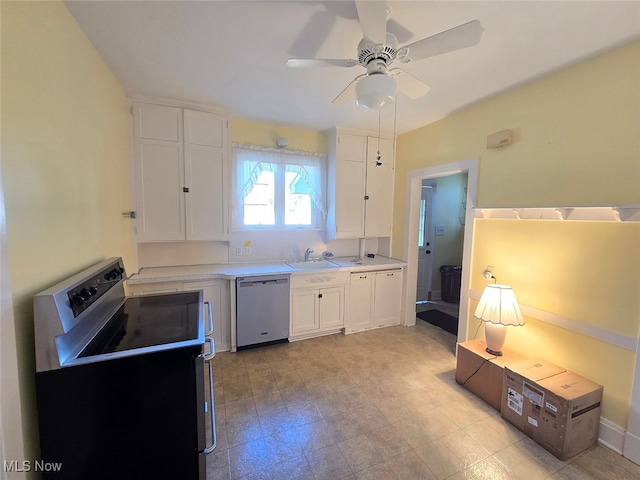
499 308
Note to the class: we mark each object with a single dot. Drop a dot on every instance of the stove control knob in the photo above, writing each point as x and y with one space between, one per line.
77 299
93 290
84 293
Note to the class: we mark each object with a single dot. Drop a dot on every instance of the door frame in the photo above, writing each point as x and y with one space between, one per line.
412 224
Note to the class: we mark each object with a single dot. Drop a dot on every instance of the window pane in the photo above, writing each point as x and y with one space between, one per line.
423 207
297 200
259 203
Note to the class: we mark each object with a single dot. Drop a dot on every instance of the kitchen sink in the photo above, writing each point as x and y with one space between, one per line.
312 264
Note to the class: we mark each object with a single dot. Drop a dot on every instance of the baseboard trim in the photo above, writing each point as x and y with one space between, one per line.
611 435
632 448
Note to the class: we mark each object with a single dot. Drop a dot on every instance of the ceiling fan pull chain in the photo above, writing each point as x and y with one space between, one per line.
378 162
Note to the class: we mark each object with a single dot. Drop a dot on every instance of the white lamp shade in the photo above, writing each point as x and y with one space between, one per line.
498 305
376 91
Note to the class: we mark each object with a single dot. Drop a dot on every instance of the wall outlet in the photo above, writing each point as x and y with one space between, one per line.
439 230
247 250
238 251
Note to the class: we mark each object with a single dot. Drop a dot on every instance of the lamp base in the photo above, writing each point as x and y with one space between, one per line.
493 352
495 336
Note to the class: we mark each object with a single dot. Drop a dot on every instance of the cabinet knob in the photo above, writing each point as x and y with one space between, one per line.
319 295
366 197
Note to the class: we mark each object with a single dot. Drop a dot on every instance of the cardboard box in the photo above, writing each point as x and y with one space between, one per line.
481 372
559 411
521 395
570 414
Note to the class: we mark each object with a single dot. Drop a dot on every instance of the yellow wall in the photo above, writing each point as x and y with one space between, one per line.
576 143
65 164
586 271
248 132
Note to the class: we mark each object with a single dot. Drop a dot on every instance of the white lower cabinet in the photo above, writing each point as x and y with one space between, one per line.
317 304
216 292
375 300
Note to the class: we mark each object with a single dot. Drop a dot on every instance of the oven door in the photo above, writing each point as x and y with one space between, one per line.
126 418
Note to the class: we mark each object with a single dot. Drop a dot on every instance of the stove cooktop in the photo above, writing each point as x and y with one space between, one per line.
148 321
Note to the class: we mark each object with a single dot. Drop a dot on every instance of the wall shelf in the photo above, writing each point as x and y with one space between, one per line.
621 213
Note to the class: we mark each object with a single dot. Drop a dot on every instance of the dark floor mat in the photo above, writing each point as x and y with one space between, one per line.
440 319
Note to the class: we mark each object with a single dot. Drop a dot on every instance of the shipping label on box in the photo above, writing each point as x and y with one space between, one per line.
522 398
514 401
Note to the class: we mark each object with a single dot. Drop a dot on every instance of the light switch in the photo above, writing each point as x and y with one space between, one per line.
439 230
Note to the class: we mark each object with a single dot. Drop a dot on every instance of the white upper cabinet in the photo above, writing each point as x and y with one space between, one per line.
379 190
360 186
181 167
206 169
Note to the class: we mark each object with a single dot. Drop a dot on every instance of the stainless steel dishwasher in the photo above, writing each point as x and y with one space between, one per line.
262 310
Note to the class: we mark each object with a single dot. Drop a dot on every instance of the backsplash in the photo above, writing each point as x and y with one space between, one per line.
249 246
284 245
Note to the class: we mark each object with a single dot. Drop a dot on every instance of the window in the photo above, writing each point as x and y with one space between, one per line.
278 189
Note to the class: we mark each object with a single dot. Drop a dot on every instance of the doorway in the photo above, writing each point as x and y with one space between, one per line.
411 236
425 243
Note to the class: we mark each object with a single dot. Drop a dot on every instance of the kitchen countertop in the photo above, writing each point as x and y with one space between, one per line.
231 271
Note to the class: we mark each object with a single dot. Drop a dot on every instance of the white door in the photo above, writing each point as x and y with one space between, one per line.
331 301
159 170
359 313
425 245
379 188
206 175
388 298
304 311
350 178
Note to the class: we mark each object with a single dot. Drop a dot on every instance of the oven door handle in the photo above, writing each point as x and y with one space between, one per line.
210 310
214 438
212 349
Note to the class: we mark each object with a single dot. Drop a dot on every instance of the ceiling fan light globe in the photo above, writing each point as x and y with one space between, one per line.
376 91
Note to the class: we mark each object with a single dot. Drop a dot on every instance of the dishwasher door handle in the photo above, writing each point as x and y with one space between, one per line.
262 283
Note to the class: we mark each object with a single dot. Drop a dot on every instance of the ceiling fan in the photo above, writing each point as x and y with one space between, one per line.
379 49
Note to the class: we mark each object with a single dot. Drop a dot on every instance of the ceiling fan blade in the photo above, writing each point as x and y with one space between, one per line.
462 36
408 84
349 91
373 20
320 62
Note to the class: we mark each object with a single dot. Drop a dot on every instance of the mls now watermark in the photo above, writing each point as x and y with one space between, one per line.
31 466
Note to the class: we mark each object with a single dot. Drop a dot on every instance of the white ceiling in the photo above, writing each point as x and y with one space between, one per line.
233 53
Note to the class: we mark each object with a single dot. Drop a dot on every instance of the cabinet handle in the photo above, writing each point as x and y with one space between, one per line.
319 295
366 197
185 189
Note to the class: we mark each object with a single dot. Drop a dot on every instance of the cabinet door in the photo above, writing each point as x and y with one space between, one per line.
331 307
379 188
359 311
304 311
388 298
206 170
349 183
159 172
217 293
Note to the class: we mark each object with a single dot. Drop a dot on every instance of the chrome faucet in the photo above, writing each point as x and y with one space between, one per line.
307 252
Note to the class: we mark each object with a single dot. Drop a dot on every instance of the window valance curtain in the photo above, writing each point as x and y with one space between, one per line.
251 161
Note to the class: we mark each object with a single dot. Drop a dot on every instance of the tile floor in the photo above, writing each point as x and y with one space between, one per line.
381 404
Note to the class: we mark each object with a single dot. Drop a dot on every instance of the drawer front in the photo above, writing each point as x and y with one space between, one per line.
319 280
